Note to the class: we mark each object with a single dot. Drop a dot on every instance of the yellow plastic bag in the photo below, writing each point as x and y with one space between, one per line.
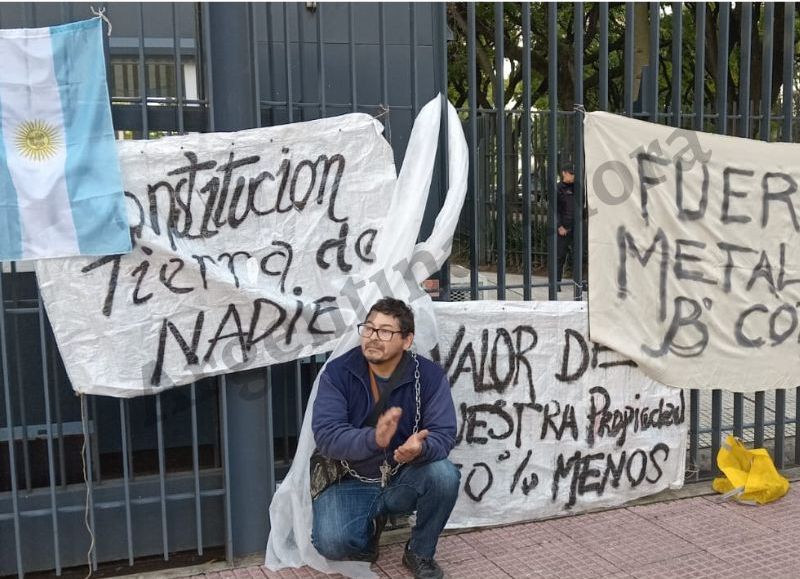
750 475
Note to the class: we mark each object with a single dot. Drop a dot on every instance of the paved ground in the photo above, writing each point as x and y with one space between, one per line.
692 537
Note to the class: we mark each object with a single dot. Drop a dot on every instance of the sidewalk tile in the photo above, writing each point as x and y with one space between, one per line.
697 565
767 555
781 515
706 525
624 538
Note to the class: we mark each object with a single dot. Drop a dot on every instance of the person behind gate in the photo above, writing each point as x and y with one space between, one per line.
387 415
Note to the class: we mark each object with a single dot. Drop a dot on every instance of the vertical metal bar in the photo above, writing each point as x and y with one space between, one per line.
87 472
287 57
300 41
758 435
130 442
12 459
20 382
323 105
176 40
162 485
629 47
677 62
716 427
384 71
526 151
352 47
287 453
298 390
788 73
699 64
655 49
766 71
552 147
269 74
126 486
414 67
578 241
62 467
472 79
270 448
255 63
738 415
604 56
440 44
223 394
797 425
142 74
198 511
723 21
694 428
780 426
209 80
96 444
744 67
500 193
29 14
48 421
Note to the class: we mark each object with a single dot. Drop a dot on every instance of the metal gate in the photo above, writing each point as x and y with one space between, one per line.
194 469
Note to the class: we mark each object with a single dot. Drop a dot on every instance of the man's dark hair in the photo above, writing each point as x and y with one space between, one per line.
397 309
568 168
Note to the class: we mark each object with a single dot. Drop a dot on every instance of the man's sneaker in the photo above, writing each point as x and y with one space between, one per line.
423 567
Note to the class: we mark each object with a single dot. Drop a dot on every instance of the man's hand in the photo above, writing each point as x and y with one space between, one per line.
562 231
411 448
387 426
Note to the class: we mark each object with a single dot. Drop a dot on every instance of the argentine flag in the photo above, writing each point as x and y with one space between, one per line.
60 185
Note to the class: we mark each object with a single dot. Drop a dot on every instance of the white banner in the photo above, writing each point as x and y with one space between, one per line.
250 248
550 423
693 269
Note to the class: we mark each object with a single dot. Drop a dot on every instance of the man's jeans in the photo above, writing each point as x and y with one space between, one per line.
344 512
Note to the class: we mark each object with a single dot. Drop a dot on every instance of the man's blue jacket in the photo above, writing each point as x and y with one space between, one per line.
344 402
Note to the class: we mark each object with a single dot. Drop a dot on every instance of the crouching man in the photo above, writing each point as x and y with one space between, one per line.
385 416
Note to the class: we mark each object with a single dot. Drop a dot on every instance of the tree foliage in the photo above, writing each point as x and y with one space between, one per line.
488 31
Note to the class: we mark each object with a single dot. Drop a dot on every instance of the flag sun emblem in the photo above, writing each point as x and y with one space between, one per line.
37 140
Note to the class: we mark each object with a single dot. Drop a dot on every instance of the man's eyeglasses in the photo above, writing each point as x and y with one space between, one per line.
384 335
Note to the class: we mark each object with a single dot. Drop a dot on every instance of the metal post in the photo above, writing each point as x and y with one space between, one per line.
526 150
50 454
629 72
552 147
142 75
577 240
677 62
722 67
474 245
176 41
12 459
699 64
287 59
655 29
440 44
500 117
352 46
603 56
788 72
766 72
716 427
744 68
244 422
